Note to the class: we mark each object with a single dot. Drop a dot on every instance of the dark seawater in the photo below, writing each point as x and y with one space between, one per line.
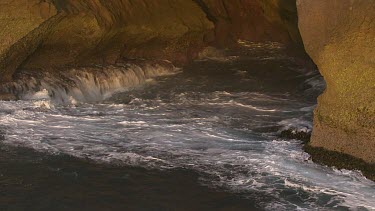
203 138
32 180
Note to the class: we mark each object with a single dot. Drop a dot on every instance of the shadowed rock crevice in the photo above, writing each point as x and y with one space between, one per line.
253 20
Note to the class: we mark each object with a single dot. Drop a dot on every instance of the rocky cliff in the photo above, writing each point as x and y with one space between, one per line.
59 33
19 22
339 35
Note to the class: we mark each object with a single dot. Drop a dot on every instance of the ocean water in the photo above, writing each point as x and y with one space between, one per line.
218 118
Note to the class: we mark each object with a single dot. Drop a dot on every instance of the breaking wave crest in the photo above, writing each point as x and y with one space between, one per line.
88 84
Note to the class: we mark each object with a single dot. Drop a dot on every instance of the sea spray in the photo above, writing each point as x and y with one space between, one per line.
86 84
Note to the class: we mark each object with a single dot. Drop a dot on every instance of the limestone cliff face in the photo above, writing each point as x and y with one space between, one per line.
339 35
51 34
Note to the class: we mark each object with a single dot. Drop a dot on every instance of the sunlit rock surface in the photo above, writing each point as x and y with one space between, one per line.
106 32
339 35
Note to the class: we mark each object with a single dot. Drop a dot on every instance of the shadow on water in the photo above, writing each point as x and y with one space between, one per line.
31 180
266 69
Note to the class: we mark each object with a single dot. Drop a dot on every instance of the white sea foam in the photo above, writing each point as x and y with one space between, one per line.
43 104
298 124
166 138
229 136
89 84
39 95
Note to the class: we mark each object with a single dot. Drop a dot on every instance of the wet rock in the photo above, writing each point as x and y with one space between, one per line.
340 160
7 97
2 134
296 134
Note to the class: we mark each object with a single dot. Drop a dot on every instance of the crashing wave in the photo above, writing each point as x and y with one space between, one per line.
89 84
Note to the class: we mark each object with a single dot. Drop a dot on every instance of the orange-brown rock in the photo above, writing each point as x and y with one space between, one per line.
73 33
19 22
339 35
254 20
105 31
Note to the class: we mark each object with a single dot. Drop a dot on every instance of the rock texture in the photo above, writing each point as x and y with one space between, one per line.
18 18
19 23
51 34
339 35
96 31
255 20
7 97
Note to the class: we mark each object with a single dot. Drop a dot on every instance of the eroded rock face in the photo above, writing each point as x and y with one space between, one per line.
60 33
106 31
339 35
254 20
17 20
